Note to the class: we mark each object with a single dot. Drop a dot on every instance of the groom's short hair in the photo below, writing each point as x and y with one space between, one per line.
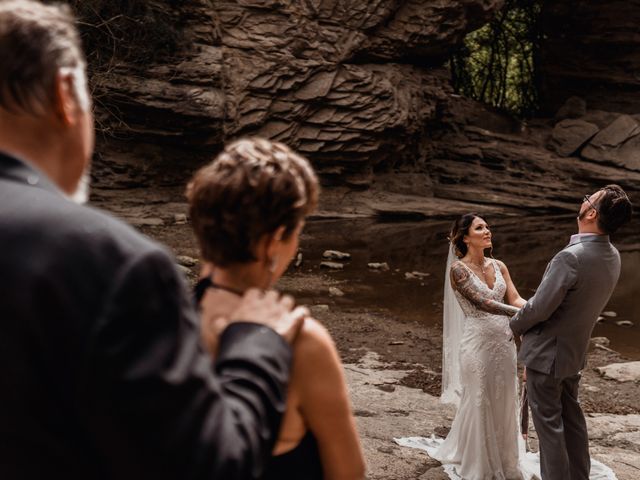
614 209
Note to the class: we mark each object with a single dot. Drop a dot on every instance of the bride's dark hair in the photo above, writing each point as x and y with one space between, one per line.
459 229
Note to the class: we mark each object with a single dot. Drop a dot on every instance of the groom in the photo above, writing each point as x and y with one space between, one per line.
556 324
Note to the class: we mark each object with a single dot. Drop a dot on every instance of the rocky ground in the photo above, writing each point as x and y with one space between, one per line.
393 369
393 372
393 363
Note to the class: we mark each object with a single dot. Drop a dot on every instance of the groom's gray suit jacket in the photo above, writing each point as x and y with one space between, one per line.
556 323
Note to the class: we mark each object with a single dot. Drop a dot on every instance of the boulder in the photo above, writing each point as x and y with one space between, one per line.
618 144
146 222
336 255
336 292
590 388
603 341
626 156
601 118
624 323
319 309
574 107
332 265
186 261
621 372
384 266
179 219
185 270
416 275
618 132
568 136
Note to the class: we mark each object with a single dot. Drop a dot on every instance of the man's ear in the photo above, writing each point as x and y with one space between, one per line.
66 104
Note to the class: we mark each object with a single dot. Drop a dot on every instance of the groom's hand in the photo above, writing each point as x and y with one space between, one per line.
272 310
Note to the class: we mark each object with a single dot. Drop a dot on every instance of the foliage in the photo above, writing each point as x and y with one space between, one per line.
136 31
497 63
129 32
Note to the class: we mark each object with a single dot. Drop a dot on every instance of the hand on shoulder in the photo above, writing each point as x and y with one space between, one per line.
272 310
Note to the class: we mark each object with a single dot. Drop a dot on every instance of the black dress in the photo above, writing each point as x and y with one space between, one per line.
301 463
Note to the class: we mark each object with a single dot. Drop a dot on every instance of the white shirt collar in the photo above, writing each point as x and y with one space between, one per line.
577 236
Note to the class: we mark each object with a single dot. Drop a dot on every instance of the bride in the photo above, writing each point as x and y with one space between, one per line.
479 370
479 361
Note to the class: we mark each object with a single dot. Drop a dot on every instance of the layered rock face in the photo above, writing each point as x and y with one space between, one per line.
346 82
485 157
590 49
358 87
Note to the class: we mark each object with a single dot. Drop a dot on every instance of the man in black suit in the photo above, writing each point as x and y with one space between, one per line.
101 374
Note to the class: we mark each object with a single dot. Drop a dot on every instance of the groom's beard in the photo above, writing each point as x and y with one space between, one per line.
581 215
81 195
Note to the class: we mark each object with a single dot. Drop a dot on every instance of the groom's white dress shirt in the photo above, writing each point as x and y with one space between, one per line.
579 236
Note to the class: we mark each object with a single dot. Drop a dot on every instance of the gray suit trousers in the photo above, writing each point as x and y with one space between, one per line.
561 427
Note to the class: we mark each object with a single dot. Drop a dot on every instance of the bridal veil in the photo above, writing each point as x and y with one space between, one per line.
452 326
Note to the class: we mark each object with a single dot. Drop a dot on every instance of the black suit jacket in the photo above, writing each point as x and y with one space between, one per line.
101 371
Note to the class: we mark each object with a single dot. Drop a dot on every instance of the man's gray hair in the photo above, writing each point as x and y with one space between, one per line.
37 42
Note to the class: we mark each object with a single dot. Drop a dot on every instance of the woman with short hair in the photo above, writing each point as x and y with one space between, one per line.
248 208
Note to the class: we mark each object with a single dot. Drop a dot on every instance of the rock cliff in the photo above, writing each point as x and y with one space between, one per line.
358 87
590 49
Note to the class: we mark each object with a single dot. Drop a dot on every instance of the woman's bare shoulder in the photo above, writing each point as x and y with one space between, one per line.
313 338
315 357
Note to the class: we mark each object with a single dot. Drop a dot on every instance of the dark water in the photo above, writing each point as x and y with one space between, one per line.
524 244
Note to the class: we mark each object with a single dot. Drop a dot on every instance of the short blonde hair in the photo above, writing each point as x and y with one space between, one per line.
250 189
36 41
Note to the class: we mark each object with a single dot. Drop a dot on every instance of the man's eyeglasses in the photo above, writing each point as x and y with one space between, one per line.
586 199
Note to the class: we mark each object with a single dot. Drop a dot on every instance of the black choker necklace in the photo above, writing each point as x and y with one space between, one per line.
206 282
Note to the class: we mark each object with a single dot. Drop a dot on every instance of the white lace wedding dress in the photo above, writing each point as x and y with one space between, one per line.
485 442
